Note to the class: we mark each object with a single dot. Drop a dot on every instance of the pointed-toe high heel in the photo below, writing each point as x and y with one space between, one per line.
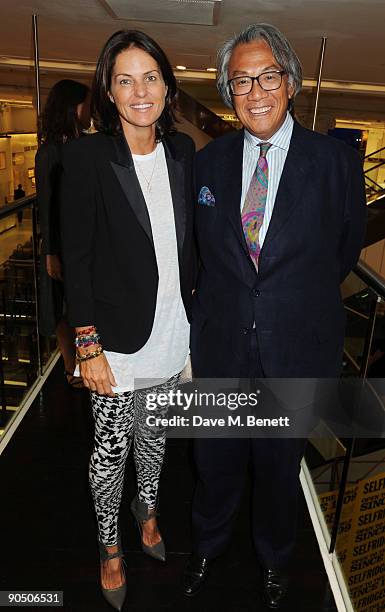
115 597
142 514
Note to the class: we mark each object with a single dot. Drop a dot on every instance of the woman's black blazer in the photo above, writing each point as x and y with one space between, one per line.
110 269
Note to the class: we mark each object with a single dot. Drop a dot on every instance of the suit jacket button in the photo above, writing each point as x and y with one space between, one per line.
256 292
245 331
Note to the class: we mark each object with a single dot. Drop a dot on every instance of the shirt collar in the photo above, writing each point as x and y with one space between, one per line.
280 139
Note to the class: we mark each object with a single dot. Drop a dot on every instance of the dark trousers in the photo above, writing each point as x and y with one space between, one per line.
222 467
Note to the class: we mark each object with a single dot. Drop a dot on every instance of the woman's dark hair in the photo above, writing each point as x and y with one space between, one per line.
59 121
103 111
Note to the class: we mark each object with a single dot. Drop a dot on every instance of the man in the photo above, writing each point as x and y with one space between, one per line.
280 220
19 192
17 195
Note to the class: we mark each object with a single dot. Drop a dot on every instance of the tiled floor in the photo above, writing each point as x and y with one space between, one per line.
48 532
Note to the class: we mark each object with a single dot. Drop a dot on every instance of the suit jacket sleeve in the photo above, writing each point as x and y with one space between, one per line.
47 172
355 217
78 210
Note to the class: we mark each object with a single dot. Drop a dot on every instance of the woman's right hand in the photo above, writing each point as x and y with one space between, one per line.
97 375
53 265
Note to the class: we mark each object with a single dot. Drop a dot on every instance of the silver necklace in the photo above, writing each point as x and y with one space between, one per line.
142 174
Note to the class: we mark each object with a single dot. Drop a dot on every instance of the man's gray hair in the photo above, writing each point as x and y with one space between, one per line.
283 53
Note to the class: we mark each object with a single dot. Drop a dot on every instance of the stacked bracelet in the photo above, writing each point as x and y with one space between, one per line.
90 355
86 338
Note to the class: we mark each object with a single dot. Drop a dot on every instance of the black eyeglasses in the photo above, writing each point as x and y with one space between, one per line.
239 86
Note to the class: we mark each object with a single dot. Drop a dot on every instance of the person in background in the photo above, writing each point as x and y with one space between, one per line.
19 192
127 222
65 117
17 195
280 220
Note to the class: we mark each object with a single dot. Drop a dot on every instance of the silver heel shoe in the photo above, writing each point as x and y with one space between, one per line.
140 511
115 597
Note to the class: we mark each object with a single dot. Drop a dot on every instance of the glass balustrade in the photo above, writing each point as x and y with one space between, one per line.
348 473
24 354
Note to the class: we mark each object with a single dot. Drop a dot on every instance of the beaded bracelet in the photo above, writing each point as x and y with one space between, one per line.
86 338
87 356
83 341
87 331
87 344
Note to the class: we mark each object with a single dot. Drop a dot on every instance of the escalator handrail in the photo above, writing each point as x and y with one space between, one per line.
373 153
370 278
374 167
367 178
379 190
17 205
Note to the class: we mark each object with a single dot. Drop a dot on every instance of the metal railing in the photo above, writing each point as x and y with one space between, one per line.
374 190
376 293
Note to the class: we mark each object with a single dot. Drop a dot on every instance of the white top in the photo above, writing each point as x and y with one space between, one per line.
166 351
276 157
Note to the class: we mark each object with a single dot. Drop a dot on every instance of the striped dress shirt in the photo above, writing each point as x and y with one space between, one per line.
276 157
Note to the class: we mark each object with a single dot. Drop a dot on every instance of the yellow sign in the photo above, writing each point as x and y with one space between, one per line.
361 540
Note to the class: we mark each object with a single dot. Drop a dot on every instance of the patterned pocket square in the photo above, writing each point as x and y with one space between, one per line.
206 197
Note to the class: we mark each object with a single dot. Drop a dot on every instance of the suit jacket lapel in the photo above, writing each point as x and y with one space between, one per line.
295 170
232 170
177 180
125 173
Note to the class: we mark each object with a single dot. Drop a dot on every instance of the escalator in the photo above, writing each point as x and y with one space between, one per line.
198 121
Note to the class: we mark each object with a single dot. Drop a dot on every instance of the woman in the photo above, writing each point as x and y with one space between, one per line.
65 116
128 267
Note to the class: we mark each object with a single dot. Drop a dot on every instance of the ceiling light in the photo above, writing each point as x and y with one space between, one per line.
180 67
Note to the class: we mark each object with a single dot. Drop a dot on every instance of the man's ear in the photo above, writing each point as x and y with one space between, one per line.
290 90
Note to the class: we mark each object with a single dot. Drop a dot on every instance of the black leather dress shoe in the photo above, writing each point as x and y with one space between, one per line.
195 575
274 588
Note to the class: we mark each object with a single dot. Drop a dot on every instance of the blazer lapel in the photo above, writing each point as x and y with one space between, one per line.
125 173
232 171
295 170
177 180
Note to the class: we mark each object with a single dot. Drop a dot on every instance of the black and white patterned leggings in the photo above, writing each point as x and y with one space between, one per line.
118 421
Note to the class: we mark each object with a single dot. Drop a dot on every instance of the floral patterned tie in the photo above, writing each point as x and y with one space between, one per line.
253 209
